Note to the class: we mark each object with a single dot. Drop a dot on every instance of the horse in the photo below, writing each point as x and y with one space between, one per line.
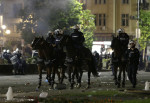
76 61
52 55
43 60
119 54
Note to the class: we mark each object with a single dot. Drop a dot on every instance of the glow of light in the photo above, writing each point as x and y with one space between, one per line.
3 26
8 31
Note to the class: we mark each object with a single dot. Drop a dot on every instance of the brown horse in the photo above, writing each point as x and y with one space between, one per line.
51 55
43 60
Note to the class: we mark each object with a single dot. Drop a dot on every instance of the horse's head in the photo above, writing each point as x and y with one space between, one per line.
36 43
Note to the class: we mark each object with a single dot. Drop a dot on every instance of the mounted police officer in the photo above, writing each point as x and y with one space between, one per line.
50 38
124 38
60 54
120 56
77 37
133 55
58 38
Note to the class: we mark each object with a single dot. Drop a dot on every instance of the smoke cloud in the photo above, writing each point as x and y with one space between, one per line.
43 13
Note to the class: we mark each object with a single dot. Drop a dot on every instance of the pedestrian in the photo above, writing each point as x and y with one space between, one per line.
133 55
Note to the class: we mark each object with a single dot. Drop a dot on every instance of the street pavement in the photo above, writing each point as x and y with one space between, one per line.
22 79
25 85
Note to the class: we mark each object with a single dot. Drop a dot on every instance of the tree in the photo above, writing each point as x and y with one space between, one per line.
145 28
51 15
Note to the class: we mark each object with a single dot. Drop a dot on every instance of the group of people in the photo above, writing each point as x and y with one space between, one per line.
130 56
54 39
15 59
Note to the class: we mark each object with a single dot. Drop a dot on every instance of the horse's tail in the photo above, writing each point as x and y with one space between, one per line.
93 68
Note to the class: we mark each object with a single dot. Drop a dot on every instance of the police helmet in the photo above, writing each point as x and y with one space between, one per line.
76 27
17 49
8 51
120 30
49 33
4 50
14 52
131 42
56 31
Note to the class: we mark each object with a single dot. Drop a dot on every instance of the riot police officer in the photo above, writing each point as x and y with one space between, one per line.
77 37
8 56
4 54
50 38
133 55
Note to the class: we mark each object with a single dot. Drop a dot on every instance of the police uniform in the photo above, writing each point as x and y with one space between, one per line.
124 39
60 54
50 39
133 55
78 39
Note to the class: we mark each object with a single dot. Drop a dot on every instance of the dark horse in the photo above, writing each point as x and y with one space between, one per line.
54 59
45 59
77 61
120 61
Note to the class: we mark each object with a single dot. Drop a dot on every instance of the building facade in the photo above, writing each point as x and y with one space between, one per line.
110 15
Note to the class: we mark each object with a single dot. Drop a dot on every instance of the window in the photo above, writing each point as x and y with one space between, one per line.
104 1
95 19
100 1
95 1
125 1
102 20
125 19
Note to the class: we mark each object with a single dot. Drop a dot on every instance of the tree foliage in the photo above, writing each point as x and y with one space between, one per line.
145 28
44 16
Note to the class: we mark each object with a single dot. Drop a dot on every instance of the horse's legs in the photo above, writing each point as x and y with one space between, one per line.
58 74
49 70
53 77
89 75
72 77
124 75
62 74
40 75
79 79
119 76
69 73
115 74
